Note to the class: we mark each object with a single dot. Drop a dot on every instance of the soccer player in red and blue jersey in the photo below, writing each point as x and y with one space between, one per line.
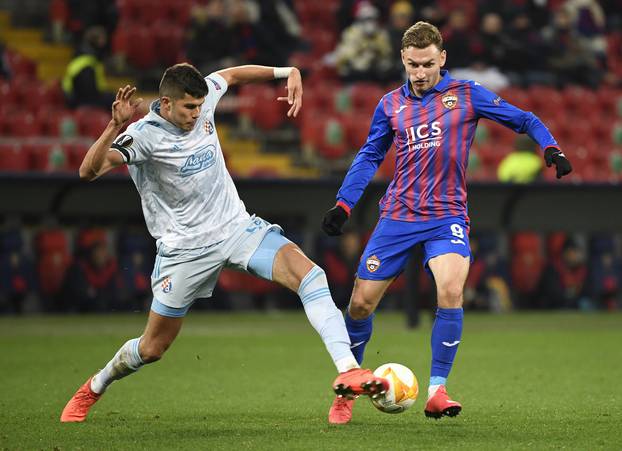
431 120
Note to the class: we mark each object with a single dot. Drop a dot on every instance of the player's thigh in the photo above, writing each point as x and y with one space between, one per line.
366 296
450 272
159 334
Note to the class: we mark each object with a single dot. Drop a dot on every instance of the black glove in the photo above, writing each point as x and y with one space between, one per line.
333 221
553 155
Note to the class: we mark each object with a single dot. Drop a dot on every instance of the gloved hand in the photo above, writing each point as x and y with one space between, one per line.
333 221
553 155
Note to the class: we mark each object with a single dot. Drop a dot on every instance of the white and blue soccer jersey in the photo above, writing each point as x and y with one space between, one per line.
188 197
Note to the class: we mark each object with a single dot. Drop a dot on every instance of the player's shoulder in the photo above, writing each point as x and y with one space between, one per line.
459 83
146 130
394 95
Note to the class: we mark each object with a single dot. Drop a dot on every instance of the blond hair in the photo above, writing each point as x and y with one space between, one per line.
421 35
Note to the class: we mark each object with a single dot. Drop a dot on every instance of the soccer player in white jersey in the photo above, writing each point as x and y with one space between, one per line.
192 209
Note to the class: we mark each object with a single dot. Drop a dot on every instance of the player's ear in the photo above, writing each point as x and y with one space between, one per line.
166 103
443 58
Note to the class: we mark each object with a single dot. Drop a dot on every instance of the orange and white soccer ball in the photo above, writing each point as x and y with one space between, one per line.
403 388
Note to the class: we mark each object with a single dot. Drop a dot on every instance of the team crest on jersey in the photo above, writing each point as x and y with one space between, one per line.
450 100
208 127
167 284
497 101
372 263
124 141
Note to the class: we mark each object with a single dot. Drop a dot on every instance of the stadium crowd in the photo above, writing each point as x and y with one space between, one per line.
556 58
104 270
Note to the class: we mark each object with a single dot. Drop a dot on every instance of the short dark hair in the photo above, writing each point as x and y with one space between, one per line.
182 79
421 35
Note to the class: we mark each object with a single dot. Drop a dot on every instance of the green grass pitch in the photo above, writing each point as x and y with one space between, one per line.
262 381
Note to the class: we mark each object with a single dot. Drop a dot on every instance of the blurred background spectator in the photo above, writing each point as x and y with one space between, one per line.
523 165
84 83
364 50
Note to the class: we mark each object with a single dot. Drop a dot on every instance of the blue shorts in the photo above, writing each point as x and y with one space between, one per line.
390 244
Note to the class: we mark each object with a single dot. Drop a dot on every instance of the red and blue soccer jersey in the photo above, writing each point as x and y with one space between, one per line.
432 137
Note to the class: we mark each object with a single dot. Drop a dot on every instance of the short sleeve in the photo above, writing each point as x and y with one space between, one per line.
135 147
217 87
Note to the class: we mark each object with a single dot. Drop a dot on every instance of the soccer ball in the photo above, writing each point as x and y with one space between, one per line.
403 388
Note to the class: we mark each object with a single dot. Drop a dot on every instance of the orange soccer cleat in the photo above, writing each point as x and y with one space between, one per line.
440 405
341 410
358 381
78 406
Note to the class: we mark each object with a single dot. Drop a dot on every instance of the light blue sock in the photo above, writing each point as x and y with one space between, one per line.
326 318
126 361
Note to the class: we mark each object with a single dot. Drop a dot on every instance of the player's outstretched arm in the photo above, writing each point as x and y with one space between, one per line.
252 74
100 158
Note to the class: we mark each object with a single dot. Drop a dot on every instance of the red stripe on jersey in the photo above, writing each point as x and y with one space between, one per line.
441 155
454 155
388 202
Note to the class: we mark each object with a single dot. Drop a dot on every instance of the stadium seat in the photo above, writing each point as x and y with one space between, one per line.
527 262
92 121
47 157
322 42
58 122
365 97
75 154
546 101
333 142
357 129
169 41
135 42
53 259
21 66
24 125
517 97
13 158
580 101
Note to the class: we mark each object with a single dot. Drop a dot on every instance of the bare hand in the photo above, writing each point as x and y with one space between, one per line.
124 107
294 93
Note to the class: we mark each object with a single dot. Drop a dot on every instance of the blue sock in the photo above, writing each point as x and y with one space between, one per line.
359 331
446 335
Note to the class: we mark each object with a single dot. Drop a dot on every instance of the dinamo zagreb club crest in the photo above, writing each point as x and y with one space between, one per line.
167 285
450 100
372 263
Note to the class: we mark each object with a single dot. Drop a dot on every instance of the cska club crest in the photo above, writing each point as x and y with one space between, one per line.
372 263
450 100
208 127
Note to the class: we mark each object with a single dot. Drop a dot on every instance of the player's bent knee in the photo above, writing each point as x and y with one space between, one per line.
450 295
360 308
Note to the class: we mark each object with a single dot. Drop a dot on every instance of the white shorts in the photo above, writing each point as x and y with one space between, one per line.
180 276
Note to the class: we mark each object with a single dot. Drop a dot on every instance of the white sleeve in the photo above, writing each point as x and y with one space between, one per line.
135 146
217 87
